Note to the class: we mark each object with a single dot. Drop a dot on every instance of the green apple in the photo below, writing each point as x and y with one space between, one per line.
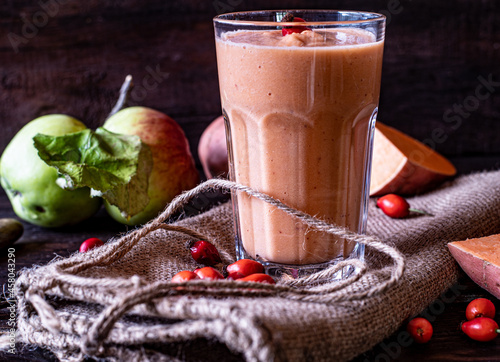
173 169
30 183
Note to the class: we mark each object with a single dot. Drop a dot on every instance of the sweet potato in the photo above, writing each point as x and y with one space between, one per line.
480 260
403 165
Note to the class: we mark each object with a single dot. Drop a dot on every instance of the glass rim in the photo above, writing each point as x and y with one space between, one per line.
370 17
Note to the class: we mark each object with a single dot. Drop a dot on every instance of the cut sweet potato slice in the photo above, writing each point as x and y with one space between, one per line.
480 260
405 166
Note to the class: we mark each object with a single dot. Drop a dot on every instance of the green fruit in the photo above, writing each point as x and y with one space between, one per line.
30 183
173 165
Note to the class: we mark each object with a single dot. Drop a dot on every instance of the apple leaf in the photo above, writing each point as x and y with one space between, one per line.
115 166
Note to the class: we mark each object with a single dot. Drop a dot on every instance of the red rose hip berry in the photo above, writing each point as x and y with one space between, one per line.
184 276
209 273
205 253
243 268
288 18
396 206
481 329
90 243
480 307
258 278
420 329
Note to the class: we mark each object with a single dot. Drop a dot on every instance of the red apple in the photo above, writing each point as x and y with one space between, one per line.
212 149
173 170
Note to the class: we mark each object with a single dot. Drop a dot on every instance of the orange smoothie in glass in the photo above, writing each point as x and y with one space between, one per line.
300 110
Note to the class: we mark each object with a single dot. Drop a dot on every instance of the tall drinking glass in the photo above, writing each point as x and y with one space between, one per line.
300 92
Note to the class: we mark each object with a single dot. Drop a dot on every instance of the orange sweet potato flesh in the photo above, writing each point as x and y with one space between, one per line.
480 260
405 166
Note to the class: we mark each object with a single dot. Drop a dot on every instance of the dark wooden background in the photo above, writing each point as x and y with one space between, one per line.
71 56
68 56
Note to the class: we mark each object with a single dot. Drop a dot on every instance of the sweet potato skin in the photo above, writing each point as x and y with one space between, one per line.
482 272
404 165
411 180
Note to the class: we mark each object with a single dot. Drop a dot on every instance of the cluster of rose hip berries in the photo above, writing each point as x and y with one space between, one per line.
205 253
479 326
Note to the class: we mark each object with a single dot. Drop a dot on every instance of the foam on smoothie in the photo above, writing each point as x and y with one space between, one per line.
308 38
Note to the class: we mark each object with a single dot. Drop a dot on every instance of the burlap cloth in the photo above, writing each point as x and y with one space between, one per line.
116 302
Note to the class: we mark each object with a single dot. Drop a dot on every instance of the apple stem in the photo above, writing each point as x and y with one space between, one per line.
421 212
124 93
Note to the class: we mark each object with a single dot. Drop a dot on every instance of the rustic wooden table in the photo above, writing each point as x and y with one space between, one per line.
39 246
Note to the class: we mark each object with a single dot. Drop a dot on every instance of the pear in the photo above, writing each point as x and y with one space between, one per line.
173 169
30 183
